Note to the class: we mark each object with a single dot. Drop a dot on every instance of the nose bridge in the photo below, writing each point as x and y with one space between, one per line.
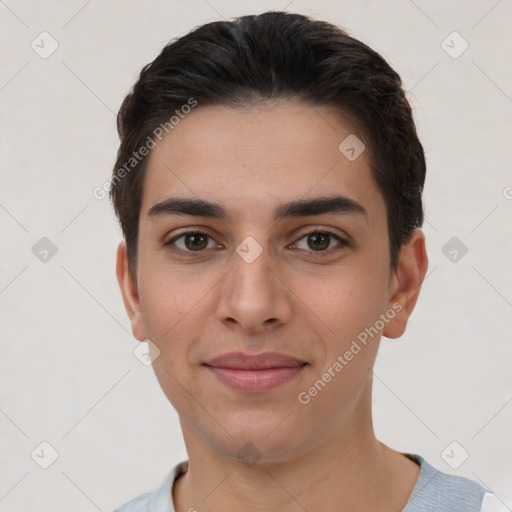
252 295
252 276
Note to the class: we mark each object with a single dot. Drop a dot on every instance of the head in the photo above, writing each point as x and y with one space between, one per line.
246 133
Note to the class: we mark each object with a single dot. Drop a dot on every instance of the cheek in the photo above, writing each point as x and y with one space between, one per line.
167 299
347 301
161 312
171 323
175 308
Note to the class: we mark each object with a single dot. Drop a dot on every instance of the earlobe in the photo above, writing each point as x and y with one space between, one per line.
406 283
129 292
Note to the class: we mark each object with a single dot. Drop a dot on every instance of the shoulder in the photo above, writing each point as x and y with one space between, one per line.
435 491
159 500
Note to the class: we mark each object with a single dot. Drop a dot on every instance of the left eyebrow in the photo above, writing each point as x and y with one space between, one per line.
319 206
299 208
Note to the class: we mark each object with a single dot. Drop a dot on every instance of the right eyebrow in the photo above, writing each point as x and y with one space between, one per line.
186 206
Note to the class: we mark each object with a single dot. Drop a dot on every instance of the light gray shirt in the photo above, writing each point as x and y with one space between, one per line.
434 491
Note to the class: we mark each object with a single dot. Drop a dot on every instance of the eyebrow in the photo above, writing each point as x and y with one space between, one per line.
299 208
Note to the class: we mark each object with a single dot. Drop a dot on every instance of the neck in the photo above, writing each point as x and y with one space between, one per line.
347 470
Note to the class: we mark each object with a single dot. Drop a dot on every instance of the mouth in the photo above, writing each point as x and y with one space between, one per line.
255 373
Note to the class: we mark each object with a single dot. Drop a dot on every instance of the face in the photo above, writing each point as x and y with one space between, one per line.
257 235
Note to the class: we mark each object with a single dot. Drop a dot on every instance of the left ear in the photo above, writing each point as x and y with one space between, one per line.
406 283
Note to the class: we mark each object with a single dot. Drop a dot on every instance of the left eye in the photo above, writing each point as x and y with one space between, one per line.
319 241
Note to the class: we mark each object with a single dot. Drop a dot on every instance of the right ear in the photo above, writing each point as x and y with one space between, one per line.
129 292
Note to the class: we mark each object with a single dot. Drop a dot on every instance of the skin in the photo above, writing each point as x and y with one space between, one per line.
319 456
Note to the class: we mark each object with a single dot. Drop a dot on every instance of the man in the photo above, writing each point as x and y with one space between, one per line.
269 187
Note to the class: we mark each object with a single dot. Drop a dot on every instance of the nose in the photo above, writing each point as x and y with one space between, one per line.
254 298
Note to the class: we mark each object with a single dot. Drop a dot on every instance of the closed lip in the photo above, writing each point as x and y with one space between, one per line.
264 361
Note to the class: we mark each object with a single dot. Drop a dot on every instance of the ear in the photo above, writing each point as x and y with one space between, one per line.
129 292
406 283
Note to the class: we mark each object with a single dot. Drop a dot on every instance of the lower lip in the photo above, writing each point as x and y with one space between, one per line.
255 381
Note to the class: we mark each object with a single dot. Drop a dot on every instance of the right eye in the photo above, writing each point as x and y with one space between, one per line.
189 242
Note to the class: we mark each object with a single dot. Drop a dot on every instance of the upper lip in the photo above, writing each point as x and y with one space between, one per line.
241 361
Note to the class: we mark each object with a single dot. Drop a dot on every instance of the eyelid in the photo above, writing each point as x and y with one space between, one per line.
309 230
186 231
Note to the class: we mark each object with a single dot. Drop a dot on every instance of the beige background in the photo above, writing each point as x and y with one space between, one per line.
68 374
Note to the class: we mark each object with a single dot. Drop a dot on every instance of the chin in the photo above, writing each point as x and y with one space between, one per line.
259 443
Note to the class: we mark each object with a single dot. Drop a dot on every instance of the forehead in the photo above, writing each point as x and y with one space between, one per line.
246 158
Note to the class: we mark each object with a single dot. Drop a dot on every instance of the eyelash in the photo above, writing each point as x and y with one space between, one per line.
342 242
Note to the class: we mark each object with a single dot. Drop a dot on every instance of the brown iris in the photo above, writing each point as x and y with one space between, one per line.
196 241
320 241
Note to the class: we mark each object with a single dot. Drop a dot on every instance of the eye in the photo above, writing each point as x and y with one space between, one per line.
319 241
190 242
